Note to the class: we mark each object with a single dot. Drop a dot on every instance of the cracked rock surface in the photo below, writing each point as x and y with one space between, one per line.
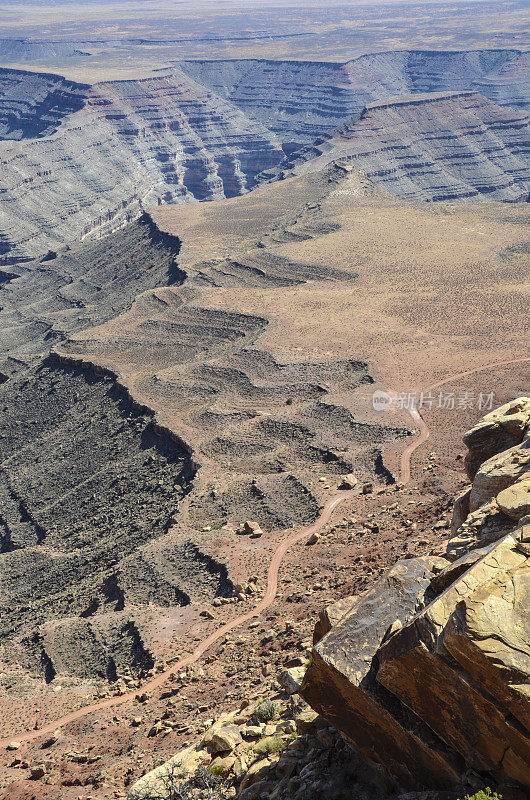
441 682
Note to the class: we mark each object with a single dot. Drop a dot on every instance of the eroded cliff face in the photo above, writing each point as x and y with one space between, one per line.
86 285
101 504
90 159
300 101
133 143
455 146
34 104
428 674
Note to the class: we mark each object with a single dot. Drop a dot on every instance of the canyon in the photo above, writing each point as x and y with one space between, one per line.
78 160
203 366
257 277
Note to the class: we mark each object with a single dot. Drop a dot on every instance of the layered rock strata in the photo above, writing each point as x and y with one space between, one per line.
434 147
428 674
91 158
134 143
34 104
300 101
102 439
86 484
44 302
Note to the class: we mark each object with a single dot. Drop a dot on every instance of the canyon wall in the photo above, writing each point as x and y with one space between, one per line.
300 101
90 159
134 143
34 104
452 146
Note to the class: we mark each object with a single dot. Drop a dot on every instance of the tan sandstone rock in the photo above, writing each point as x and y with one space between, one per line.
340 683
291 679
223 739
331 615
500 430
499 472
514 501
430 681
348 481
460 510
468 710
485 525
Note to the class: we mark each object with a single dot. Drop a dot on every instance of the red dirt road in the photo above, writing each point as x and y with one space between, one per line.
272 579
264 603
404 465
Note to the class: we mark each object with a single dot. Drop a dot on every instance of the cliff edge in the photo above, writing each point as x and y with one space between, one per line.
428 674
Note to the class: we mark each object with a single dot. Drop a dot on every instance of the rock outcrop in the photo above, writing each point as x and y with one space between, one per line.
85 286
442 146
428 674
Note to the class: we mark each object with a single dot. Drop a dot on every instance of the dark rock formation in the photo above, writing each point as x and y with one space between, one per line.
34 104
84 286
85 483
427 675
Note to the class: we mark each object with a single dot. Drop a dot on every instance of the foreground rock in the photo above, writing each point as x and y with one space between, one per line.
481 621
428 675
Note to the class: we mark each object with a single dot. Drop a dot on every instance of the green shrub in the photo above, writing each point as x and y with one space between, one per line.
265 711
270 745
484 794
216 770
289 401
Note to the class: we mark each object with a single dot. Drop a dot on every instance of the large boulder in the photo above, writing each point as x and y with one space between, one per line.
332 614
223 739
514 501
428 674
460 663
498 473
340 683
482 527
500 430
178 768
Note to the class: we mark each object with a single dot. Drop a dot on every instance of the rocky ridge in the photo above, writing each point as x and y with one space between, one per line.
85 483
89 283
442 706
435 147
427 674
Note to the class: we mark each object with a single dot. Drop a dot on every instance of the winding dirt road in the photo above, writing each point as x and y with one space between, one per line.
404 465
192 658
272 578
